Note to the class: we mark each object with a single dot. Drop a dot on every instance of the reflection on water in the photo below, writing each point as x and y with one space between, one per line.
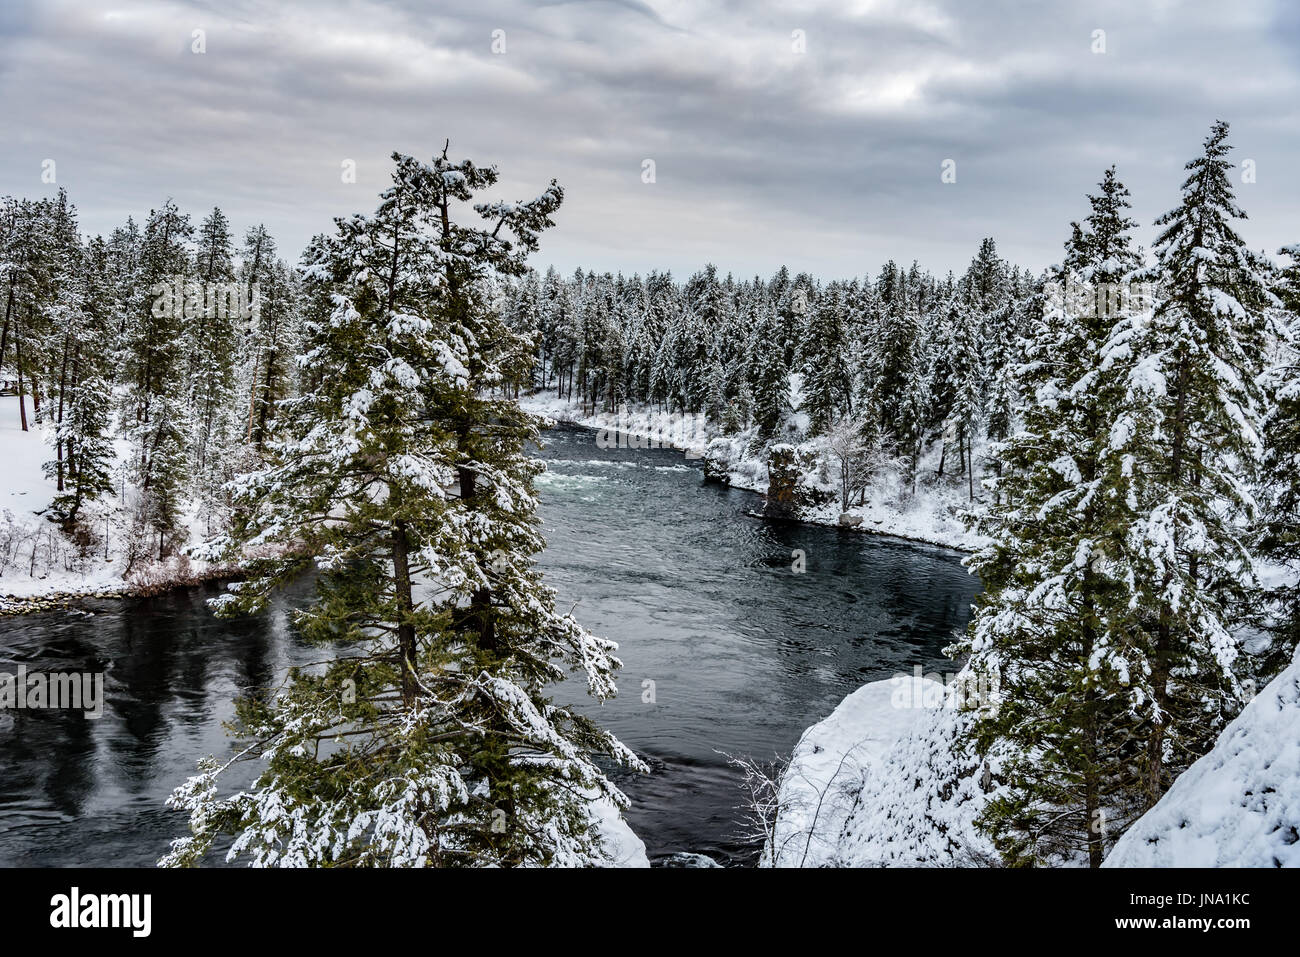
742 652
90 792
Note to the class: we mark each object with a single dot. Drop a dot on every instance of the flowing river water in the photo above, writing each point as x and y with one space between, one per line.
727 650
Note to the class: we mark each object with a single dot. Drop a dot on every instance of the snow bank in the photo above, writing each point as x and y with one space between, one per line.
622 845
34 555
882 782
1239 805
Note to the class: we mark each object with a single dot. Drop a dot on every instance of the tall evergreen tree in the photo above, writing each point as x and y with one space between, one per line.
1058 630
1197 402
430 740
154 404
827 380
1280 539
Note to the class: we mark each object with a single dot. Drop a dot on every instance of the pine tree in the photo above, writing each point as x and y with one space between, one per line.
82 433
913 406
213 310
430 740
154 402
1058 630
1280 538
901 383
62 300
1197 403
27 263
272 337
827 379
968 382
771 381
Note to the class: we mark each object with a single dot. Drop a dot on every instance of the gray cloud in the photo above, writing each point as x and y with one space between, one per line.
827 160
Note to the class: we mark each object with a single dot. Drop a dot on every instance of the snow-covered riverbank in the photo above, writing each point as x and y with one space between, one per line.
40 567
884 781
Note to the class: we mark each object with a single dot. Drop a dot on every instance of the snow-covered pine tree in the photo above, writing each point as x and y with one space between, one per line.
1197 402
82 434
212 328
525 318
912 408
62 300
969 378
154 402
827 380
124 267
1058 630
901 384
771 381
793 300
429 740
1001 401
273 341
685 359
1280 538
985 289
27 266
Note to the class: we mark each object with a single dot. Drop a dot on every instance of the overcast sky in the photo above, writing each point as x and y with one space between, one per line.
828 159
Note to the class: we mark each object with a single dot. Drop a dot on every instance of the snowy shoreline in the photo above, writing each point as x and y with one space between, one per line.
725 459
42 568
62 595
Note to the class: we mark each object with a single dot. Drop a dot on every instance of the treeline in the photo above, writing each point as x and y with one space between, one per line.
902 359
169 335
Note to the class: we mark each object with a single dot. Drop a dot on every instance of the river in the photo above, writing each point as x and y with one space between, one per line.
727 650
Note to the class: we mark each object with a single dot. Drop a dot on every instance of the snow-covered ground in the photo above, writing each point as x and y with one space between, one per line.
934 514
1239 805
37 561
622 845
882 782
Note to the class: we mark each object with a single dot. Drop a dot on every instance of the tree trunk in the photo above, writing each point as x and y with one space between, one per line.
22 396
970 469
479 615
4 336
405 606
58 415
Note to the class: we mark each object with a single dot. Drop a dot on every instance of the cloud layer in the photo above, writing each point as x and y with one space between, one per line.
806 133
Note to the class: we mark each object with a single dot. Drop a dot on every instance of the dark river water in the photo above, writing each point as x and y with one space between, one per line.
740 652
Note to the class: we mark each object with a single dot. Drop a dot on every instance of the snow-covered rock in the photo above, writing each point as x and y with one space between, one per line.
882 782
1239 805
689 859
